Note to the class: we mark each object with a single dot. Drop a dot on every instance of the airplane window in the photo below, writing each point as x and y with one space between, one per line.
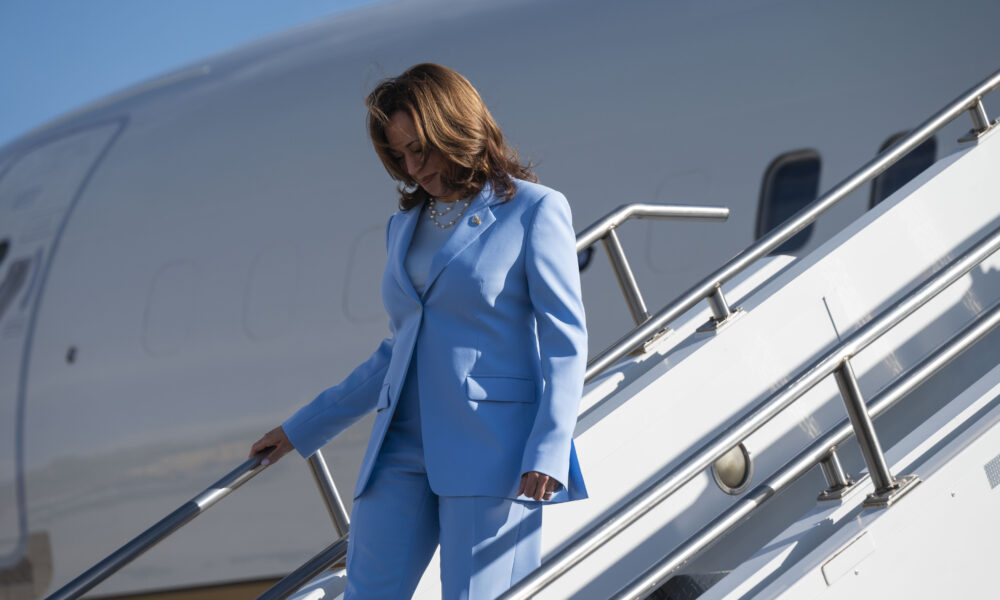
791 182
4 247
904 170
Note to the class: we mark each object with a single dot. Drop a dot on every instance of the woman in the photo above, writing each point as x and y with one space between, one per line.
478 387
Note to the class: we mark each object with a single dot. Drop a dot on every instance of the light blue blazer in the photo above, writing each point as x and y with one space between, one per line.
502 345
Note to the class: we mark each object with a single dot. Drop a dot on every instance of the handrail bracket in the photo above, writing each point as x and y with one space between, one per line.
980 122
722 313
838 482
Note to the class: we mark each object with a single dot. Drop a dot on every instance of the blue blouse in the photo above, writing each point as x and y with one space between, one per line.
427 239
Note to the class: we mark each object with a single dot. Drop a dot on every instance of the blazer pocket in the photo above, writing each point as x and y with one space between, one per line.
383 397
496 388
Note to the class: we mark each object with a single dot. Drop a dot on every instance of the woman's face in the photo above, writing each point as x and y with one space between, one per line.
404 146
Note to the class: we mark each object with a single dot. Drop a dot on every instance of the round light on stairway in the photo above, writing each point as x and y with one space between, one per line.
733 470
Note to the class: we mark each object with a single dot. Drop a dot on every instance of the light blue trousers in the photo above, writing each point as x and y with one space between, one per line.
487 544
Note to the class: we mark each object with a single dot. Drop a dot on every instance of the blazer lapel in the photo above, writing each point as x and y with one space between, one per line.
476 220
398 246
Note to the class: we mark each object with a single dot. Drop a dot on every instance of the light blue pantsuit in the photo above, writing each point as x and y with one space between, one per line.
479 383
487 544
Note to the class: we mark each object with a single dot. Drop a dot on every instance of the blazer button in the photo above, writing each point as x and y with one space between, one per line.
474 221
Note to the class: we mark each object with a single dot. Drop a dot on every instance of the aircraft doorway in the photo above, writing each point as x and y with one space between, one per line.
38 190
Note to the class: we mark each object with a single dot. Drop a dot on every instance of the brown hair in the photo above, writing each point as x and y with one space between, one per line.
451 118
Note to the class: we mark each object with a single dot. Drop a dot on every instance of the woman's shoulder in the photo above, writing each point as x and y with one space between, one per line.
531 191
531 194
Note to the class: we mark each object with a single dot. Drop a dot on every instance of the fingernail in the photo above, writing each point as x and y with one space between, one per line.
265 462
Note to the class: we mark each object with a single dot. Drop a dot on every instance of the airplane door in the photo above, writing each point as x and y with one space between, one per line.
38 190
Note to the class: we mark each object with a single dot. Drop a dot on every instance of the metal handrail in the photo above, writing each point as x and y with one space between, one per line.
711 286
289 584
638 210
158 532
194 507
761 414
604 229
814 454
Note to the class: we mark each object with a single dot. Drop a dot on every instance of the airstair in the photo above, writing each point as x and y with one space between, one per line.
730 447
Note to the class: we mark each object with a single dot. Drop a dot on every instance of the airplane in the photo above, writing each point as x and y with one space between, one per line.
185 263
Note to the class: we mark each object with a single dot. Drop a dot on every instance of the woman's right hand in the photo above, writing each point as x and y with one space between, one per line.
277 441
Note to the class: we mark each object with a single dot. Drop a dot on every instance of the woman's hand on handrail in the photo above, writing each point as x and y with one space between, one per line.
278 443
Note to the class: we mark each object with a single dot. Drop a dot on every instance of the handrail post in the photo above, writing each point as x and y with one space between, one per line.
887 488
328 489
837 481
626 278
720 308
722 313
980 122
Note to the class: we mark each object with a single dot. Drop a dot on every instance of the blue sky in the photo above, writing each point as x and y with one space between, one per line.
59 55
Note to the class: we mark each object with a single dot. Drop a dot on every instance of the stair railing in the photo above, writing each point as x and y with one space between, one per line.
710 288
816 453
605 230
184 514
888 488
837 361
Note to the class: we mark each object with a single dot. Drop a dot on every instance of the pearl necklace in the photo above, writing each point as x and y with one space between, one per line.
433 213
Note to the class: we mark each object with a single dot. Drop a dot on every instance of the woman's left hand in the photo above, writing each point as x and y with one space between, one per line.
537 486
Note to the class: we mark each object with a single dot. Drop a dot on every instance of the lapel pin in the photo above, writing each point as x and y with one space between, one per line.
475 221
